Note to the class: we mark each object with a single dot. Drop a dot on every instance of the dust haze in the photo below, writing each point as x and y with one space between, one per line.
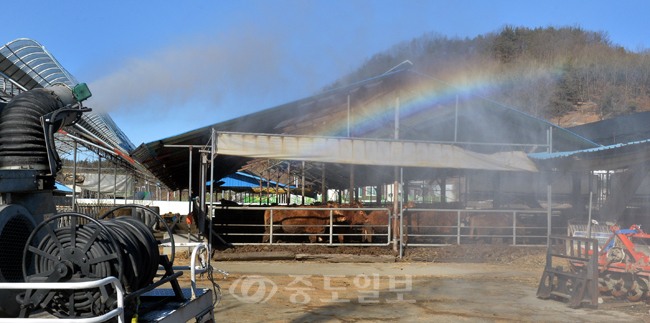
205 69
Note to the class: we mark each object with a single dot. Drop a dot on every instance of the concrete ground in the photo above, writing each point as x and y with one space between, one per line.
395 292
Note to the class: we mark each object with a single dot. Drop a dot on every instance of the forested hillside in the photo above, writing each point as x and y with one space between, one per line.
551 73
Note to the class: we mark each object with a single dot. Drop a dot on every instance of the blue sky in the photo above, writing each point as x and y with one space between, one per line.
161 68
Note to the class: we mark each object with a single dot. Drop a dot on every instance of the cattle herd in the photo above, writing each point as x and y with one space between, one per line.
422 225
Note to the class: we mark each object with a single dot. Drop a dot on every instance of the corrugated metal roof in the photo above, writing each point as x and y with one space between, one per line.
543 156
624 129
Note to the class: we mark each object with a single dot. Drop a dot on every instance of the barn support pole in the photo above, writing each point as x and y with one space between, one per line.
404 190
550 135
456 121
351 191
460 190
466 187
395 208
115 185
324 197
549 213
189 188
401 215
289 183
378 190
202 181
443 189
268 183
549 198
396 178
210 231
74 178
99 178
348 115
591 195
261 187
303 182
277 188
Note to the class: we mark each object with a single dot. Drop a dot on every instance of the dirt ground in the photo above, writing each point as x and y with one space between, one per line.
525 257
500 289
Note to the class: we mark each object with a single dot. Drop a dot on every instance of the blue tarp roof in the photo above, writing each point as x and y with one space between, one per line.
544 156
243 180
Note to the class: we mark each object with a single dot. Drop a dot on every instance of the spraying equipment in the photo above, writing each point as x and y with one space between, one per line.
28 165
72 265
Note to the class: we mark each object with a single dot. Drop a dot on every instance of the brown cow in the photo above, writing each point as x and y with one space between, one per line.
431 223
488 224
352 218
294 221
378 222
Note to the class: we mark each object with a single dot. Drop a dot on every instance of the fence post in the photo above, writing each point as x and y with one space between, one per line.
271 229
458 230
514 228
331 227
390 219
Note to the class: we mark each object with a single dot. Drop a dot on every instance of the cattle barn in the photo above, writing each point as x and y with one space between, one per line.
446 147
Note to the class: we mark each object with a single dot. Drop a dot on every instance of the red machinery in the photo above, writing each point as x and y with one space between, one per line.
624 264
621 268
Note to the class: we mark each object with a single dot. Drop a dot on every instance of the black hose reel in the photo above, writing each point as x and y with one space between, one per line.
91 249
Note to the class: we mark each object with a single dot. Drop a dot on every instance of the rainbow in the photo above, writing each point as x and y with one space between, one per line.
434 94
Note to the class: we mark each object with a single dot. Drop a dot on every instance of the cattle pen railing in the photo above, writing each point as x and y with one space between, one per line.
525 227
275 231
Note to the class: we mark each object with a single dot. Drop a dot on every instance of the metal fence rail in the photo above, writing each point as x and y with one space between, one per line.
273 229
524 227
421 226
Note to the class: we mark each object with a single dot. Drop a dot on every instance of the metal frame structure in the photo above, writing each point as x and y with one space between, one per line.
397 199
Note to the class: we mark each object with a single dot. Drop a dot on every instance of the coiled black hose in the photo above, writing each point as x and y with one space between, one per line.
22 141
88 252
